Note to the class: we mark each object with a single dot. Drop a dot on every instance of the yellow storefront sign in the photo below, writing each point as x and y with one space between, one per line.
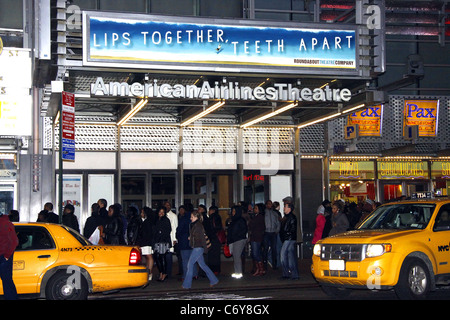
368 120
424 114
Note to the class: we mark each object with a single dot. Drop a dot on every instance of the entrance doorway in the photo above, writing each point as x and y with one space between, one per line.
7 197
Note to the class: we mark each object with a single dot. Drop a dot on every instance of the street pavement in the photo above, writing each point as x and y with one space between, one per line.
272 279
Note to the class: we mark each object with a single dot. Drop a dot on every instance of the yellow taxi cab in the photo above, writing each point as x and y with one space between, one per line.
55 262
403 246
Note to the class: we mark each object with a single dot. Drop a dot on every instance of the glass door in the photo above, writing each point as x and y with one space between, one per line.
8 197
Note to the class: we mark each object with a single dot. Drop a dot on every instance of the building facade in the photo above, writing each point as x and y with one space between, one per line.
324 123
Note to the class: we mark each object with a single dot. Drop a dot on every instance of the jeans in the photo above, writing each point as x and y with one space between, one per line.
256 251
6 268
270 240
197 256
289 261
185 254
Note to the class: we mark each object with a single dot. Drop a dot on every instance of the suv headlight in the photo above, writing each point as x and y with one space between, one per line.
317 249
376 250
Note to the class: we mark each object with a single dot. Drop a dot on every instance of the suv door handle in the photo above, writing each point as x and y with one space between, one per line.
44 256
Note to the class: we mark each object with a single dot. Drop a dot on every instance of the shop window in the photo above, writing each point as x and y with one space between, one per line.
133 185
352 191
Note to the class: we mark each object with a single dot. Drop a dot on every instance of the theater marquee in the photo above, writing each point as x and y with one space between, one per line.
198 44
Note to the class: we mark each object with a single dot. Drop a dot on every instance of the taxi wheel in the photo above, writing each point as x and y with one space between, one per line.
61 287
414 280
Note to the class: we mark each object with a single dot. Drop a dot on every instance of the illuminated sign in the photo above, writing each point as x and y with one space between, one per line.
369 121
351 170
402 170
424 114
440 169
182 43
228 91
15 98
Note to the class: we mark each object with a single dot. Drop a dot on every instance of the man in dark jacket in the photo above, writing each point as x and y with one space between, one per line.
288 235
8 244
69 218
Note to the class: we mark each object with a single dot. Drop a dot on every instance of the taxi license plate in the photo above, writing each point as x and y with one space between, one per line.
338 265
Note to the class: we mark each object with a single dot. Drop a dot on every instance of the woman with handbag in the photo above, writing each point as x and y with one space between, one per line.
213 224
197 241
162 242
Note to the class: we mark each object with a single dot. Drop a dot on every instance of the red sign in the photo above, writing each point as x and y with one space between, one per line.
68 115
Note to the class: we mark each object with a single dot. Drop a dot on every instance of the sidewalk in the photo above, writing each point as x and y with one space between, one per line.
271 279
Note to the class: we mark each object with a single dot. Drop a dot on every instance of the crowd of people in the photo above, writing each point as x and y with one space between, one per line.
340 216
199 237
266 232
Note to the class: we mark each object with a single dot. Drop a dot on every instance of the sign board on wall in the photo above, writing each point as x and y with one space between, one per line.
369 121
424 114
68 126
15 97
182 43
402 170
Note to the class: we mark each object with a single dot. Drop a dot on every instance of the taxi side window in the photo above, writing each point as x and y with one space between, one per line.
33 238
442 219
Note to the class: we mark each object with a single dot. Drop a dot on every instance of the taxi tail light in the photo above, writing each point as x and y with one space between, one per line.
135 257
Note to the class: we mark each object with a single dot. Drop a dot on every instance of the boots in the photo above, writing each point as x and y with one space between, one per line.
259 269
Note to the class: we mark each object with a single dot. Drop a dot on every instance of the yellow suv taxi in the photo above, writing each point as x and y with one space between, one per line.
57 263
401 245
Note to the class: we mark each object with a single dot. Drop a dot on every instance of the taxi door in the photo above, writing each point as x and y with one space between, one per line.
441 239
35 253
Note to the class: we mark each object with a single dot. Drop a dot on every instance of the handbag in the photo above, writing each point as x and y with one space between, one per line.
221 236
226 251
208 242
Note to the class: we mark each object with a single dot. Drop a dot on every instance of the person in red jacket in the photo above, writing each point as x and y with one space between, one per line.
8 244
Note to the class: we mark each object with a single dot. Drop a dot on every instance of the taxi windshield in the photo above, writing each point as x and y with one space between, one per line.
400 216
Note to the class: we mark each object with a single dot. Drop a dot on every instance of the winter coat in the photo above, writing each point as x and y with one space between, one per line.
8 237
339 222
256 228
271 221
133 230
113 231
197 235
70 220
162 231
237 227
288 230
146 234
320 225
182 232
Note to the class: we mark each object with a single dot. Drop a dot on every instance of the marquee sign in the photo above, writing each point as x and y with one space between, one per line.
199 44
218 91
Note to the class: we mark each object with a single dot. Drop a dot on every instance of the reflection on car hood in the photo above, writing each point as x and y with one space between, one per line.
366 236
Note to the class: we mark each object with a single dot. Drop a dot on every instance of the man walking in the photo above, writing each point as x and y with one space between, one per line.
8 243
